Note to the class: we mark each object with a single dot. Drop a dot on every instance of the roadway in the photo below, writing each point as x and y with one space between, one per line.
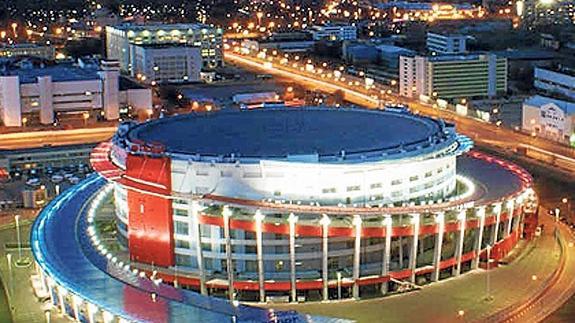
482 133
509 286
21 140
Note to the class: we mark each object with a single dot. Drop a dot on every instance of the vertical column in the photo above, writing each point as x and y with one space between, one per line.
415 240
325 221
461 217
510 211
51 290
199 253
226 213
292 221
108 317
400 239
440 220
259 217
387 223
61 293
356 255
46 99
495 232
480 212
92 310
76 302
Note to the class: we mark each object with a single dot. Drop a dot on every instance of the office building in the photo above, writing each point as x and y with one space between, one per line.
439 43
26 49
29 90
452 76
557 81
166 63
334 32
120 37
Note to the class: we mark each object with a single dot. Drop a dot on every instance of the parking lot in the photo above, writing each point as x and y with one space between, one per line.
52 179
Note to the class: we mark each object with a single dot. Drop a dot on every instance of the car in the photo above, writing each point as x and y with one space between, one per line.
57 178
33 181
74 180
538 231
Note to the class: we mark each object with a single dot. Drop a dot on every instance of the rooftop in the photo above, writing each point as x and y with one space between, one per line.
539 101
59 73
161 26
280 133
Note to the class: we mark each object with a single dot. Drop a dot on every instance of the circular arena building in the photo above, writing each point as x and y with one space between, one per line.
303 204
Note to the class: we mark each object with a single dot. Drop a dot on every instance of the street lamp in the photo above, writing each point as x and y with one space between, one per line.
339 285
488 282
17 219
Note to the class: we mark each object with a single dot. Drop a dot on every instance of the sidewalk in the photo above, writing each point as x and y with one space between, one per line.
24 306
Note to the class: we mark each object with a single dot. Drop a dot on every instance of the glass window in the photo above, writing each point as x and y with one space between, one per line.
182 228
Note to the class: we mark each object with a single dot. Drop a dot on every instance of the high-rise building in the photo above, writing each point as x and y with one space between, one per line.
452 76
208 39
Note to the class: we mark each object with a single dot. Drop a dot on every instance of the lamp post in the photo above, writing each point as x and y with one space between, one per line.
488 280
17 219
339 285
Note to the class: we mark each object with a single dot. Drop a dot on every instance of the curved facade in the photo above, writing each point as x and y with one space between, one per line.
361 218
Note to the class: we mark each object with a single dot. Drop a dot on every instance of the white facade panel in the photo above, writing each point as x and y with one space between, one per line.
383 182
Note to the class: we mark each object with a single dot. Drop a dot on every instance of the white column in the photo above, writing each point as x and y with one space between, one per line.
400 240
76 302
510 211
292 221
259 217
494 235
46 99
61 293
108 317
415 240
199 253
51 290
440 220
356 255
226 213
325 221
11 112
480 212
92 310
461 217
387 223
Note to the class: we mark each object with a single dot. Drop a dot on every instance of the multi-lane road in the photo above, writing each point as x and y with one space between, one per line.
22 140
483 133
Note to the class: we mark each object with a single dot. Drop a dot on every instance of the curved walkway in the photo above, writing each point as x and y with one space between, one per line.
60 246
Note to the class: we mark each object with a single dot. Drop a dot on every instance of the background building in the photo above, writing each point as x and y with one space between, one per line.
559 81
334 32
15 50
208 39
446 43
452 76
549 118
166 63
29 90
